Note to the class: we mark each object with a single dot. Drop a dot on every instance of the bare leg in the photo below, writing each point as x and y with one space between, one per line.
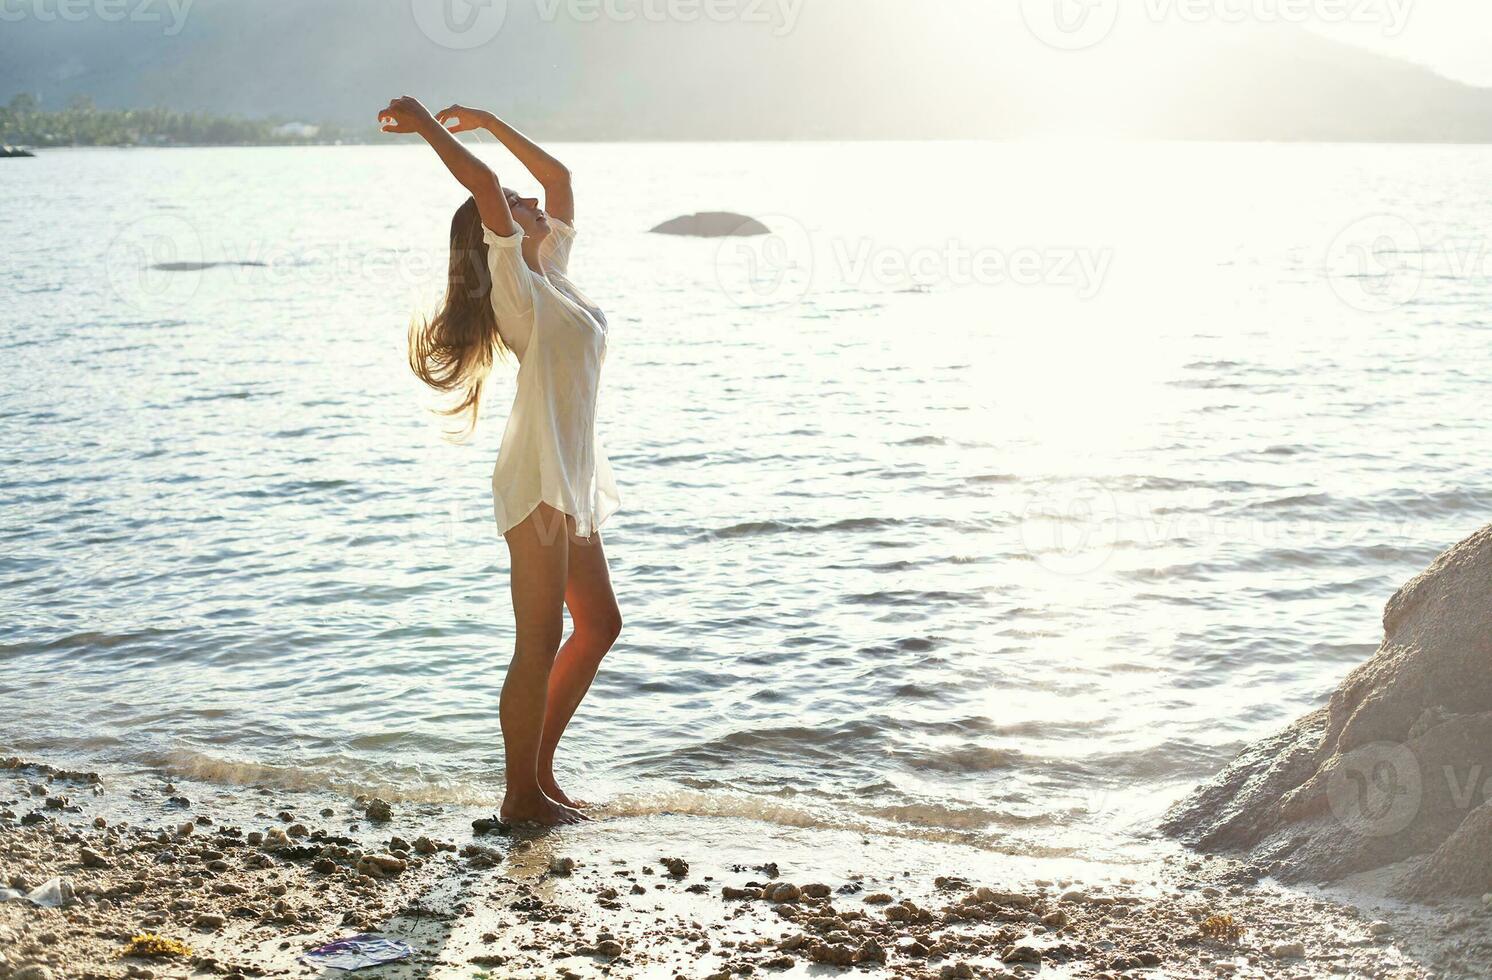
596 622
540 563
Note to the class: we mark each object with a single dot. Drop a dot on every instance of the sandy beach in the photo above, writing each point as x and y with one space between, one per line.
249 878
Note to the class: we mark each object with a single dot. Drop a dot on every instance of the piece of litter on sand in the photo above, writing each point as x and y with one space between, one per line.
356 952
53 893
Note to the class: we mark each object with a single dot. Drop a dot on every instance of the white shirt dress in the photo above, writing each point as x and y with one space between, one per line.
550 453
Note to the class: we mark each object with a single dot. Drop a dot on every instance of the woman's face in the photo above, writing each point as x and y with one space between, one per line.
528 215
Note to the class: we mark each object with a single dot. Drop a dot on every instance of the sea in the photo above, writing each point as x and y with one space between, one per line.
1000 493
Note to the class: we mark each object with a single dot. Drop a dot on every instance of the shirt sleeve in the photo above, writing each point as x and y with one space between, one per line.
554 253
512 281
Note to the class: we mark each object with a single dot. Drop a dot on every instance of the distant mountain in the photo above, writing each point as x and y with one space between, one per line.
808 69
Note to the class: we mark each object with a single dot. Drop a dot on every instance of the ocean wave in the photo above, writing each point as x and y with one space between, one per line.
927 822
1277 503
345 777
1280 560
89 642
909 597
922 820
968 759
748 529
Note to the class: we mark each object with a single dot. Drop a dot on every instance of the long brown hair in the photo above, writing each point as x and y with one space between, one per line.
452 350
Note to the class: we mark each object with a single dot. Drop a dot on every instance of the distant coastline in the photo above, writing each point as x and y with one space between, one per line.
23 123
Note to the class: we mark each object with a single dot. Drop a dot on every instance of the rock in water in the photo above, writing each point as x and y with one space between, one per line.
712 224
1395 768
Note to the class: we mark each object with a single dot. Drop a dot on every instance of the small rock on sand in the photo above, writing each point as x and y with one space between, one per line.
380 865
781 892
488 825
1005 898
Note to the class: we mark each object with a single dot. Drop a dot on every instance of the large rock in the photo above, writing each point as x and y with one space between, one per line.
1397 767
712 224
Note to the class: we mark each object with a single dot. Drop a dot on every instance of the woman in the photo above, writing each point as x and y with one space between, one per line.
552 488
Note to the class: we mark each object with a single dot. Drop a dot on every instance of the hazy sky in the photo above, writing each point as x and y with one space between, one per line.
1452 37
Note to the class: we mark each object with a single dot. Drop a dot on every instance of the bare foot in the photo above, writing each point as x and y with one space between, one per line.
538 810
551 789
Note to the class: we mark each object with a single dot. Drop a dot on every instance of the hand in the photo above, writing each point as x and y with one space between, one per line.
461 119
405 115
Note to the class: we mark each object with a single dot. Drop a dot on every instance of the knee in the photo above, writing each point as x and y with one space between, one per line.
603 626
540 639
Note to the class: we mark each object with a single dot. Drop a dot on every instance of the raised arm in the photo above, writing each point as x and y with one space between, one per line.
553 176
407 115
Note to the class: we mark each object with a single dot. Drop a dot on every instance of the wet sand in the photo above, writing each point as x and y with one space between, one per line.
250 877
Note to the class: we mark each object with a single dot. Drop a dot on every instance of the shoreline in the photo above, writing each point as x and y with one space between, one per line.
250 877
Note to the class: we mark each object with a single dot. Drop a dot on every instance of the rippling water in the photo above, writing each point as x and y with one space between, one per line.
1004 490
